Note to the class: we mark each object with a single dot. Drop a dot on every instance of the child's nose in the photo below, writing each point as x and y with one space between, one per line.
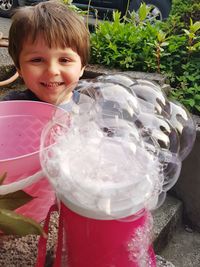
53 69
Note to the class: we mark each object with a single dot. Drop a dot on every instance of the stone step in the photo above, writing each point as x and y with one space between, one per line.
162 262
166 219
183 249
92 71
7 68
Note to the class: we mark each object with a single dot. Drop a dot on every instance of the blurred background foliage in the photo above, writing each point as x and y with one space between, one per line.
170 47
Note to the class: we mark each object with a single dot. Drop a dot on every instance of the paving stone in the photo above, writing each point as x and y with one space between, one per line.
183 249
161 262
166 218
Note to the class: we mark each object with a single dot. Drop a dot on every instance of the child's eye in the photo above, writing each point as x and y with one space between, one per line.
64 60
38 59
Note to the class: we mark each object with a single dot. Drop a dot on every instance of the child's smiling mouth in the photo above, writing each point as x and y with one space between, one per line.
52 84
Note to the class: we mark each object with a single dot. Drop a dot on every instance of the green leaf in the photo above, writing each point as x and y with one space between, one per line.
116 16
196 45
14 200
13 223
198 108
196 26
161 36
186 31
143 11
189 102
164 44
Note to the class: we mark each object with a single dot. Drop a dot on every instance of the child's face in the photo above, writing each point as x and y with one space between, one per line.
48 71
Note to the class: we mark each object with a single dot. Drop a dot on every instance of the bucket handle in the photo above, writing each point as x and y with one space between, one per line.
42 243
19 185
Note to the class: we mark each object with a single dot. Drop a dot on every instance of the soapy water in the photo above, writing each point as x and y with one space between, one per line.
119 150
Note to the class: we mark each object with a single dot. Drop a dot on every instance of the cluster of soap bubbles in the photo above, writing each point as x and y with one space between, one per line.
119 150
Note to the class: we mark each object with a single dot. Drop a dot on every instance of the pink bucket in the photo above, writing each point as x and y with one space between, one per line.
83 241
21 124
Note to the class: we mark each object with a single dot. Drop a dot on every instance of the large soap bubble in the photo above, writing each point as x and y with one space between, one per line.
119 149
119 78
162 139
181 120
151 98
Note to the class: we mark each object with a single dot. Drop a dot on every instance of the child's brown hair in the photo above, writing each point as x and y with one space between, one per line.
57 24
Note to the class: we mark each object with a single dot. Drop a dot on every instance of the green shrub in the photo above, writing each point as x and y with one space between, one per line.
186 9
124 45
189 91
185 71
182 12
132 43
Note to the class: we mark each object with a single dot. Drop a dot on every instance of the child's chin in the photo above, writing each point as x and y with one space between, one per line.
52 101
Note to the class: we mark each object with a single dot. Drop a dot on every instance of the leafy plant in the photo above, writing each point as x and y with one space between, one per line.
124 44
182 12
188 91
188 78
186 10
10 221
134 43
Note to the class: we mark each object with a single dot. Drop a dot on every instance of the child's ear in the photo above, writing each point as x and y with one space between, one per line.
81 73
19 72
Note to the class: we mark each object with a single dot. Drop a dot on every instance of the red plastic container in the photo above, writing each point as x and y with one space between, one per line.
88 242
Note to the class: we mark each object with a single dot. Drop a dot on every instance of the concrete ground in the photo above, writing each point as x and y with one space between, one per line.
4 26
183 249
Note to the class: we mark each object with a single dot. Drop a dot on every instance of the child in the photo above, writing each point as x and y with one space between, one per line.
49 45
